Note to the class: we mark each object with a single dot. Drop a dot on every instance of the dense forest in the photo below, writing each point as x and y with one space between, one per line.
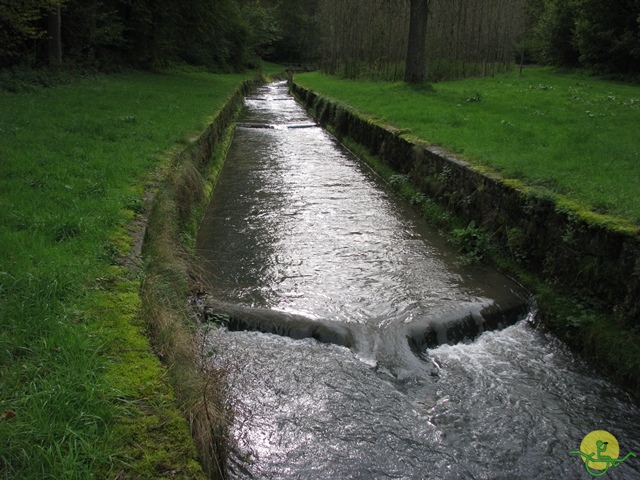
352 38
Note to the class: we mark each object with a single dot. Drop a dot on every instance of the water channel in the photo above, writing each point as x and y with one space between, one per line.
425 368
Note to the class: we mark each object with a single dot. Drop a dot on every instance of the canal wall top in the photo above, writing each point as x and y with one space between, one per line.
542 233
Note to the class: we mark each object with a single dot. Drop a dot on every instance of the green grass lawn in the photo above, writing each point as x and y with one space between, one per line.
571 134
73 161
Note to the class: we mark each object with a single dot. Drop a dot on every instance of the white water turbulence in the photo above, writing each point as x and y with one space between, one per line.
392 361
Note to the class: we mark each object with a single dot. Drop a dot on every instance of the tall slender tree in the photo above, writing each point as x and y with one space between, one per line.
416 63
54 34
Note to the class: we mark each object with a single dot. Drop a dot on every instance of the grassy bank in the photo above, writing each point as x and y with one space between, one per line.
81 393
567 133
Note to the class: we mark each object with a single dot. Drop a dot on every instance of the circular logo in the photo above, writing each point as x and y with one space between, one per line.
599 444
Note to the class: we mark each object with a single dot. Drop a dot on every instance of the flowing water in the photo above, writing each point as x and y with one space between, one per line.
425 368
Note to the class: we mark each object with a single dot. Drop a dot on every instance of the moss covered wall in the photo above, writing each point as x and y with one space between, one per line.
169 274
543 233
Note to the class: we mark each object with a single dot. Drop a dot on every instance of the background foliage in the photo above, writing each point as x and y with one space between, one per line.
600 35
354 38
225 35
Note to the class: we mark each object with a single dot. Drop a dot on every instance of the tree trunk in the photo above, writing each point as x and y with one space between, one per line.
416 64
55 38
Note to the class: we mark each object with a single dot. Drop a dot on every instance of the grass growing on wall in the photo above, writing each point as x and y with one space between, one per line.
568 133
81 394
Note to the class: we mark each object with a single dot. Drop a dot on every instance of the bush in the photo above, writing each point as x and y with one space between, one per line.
554 33
600 35
608 36
25 78
472 242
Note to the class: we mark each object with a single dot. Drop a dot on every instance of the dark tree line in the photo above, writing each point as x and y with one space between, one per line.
363 37
474 37
298 30
416 40
601 35
387 38
412 40
106 34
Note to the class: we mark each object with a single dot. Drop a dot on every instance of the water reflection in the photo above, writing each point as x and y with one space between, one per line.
298 224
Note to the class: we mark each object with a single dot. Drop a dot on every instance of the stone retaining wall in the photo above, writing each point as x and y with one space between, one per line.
545 234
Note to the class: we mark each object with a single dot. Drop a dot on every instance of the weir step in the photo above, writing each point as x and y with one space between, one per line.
276 126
